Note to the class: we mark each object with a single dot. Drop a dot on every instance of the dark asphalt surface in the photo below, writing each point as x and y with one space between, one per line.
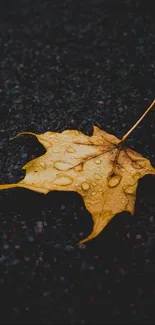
69 65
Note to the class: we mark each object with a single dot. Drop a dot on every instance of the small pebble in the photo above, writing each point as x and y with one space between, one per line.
120 109
17 246
30 238
138 236
69 248
57 246
24 155
92 267
96 257
2 258
84 265
6 246
106 271
16 167
82 246
131 305
122 271
39 226
91 299
46 294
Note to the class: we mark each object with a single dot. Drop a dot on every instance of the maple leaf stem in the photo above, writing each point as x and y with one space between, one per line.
21 133
140 119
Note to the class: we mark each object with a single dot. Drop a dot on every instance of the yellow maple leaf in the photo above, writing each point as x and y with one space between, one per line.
99 167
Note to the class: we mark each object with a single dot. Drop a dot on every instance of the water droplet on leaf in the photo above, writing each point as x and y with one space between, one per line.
61 165
55 150
130 190
63 180
85 186
114 180
97 161
42 164
71 150
98 176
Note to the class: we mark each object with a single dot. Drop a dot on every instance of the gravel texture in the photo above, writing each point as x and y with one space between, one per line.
69 65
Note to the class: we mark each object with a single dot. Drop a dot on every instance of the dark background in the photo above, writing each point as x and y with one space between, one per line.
69 65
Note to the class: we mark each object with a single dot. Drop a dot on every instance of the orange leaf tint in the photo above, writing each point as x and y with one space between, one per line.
99 168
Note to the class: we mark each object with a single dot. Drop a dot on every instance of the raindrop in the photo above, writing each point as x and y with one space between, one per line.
130 190
42 164
114 180
63 180
55 150
97 161
71 150
85 186
98 176
61 165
